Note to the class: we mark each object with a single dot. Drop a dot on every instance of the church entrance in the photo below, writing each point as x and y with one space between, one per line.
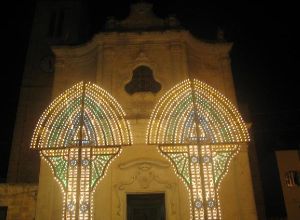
146 207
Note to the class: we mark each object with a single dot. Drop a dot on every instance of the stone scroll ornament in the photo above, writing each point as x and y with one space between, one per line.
79 135
199 131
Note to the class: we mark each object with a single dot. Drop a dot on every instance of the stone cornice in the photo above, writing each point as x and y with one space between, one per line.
220 49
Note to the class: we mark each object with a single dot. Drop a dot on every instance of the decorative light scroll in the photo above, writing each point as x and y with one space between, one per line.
79 135
199 131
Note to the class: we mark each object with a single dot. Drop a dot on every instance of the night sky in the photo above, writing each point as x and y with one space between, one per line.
263 63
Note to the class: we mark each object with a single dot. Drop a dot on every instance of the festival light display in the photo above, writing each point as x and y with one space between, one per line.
199 131
79 135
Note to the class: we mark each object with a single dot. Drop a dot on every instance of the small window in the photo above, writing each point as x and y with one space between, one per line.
142 81
292 178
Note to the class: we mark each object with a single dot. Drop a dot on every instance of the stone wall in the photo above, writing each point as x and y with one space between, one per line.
20 200
109 60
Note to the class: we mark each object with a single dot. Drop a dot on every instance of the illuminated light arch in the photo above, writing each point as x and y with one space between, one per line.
199 131
218 119
79 134
103 119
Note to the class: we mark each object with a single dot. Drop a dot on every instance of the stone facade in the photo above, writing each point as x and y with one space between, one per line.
174 55
108 60
20 200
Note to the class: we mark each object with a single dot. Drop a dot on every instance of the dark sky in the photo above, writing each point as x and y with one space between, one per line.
263 62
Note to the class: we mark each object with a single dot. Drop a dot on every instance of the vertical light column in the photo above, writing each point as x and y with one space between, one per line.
209 186
85 191
196 186
202 168
71 192
78 195
203 187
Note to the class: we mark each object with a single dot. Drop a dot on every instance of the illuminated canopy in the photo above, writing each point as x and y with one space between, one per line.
79 135
187 104
199 131
101 117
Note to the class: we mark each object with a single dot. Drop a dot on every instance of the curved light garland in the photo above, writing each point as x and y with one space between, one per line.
79 134
218 119
199 130
103 120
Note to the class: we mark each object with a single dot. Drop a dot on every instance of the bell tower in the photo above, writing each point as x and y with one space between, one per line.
55 23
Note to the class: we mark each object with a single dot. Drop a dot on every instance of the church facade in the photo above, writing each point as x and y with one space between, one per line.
141 122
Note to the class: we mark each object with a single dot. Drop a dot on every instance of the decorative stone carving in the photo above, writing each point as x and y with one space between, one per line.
144 177
142 57
144 162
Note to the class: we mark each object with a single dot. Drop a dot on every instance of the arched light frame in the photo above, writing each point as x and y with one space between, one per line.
104 119
79 135
217 116
199 131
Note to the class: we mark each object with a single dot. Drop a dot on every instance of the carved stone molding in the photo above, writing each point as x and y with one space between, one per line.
144 162
142 57
144 176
